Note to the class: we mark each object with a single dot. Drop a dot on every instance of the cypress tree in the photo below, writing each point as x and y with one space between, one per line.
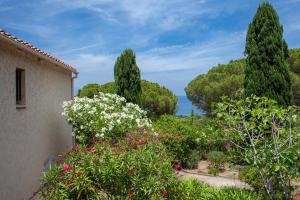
127 77
266 72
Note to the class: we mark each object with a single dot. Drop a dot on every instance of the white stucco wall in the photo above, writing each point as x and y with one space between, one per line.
30 136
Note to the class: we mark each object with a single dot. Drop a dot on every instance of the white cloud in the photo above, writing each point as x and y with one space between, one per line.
182 62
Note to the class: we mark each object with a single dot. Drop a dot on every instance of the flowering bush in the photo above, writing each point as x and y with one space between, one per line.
136 167
104 115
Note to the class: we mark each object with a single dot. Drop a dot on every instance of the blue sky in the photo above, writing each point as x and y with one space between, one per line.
174 40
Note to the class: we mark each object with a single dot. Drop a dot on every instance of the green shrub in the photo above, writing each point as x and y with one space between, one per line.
193 160
251 176
178 137
137 167
213 171
216 159
192 189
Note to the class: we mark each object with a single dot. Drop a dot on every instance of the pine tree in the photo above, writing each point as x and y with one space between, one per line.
266 72
127 77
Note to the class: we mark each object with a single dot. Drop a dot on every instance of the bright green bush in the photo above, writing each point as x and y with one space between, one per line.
216 159
192 189
183 138
137 167
251 176
178 137
213 171
105 115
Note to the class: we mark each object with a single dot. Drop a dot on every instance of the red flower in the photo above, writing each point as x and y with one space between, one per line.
177 172
91 149
160 180
67 168
164 193
75 148
78 173
177 166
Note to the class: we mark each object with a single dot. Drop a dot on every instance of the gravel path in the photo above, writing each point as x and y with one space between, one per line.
216 181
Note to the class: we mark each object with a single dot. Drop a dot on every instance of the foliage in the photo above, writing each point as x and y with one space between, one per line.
89 90
178 137
193 160
137 167
251 176
226 80
128 77
192 189
209 135
222 80
183 138
156 99
294 60
266 72
268 137
216 159
213 171
106 115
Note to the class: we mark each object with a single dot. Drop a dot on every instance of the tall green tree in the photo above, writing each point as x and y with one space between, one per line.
128 77
266 72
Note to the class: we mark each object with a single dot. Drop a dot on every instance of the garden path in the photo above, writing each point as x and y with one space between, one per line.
215 181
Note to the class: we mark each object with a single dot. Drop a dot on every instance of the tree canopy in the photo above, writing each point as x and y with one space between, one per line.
227 79
266 72
128 77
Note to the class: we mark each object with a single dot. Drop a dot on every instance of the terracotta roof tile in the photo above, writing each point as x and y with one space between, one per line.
26 44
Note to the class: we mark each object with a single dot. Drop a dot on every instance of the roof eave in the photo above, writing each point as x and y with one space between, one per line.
40 55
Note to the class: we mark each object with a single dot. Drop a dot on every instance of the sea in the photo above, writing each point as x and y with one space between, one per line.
185 107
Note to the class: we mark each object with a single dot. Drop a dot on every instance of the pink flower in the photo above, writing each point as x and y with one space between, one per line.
164 193
67 168
177 166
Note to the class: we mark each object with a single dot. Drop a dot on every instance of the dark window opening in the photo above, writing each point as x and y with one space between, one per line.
20 86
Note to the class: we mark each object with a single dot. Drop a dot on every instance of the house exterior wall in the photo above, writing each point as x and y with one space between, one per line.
31 136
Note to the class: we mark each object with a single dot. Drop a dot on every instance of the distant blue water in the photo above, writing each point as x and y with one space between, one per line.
184 106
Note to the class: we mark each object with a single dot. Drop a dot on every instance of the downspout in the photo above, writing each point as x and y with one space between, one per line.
73 76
